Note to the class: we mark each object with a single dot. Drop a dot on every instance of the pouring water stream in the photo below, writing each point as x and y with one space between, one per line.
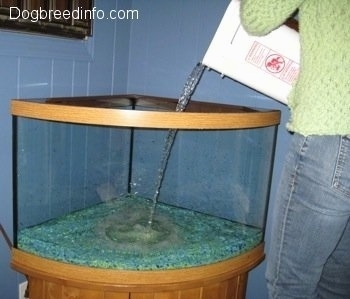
182 103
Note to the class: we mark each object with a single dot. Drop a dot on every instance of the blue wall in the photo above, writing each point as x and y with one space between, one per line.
152 55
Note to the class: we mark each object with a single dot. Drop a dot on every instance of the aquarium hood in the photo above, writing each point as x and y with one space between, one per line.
268 64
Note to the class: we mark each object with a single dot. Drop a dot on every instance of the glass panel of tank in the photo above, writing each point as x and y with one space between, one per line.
91 187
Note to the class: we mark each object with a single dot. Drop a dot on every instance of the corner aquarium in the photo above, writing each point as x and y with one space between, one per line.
123 197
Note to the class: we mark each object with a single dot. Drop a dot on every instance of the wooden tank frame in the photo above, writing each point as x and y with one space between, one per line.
48 279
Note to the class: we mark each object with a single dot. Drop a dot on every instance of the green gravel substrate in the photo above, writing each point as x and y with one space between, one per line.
116 235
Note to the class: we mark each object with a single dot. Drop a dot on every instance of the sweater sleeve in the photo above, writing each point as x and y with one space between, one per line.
259 17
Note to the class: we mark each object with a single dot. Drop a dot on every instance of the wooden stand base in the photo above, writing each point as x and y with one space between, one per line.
54 280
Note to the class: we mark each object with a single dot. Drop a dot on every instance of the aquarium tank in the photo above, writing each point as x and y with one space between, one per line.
126 182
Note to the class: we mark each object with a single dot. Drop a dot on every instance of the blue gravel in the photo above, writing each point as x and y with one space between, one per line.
116 235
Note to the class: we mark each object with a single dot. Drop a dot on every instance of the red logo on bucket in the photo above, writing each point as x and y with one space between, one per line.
275 63
272 62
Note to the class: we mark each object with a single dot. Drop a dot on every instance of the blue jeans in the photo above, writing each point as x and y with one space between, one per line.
310 241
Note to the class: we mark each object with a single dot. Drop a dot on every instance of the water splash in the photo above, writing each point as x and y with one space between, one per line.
182 103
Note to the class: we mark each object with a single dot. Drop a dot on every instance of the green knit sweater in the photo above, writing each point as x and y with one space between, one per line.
320 99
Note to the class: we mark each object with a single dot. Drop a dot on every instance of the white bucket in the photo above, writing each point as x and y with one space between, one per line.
268 64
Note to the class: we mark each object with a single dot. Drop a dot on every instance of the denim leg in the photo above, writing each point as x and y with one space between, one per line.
310 217
335 279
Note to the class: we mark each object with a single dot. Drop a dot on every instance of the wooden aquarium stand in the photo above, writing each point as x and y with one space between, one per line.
48 279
